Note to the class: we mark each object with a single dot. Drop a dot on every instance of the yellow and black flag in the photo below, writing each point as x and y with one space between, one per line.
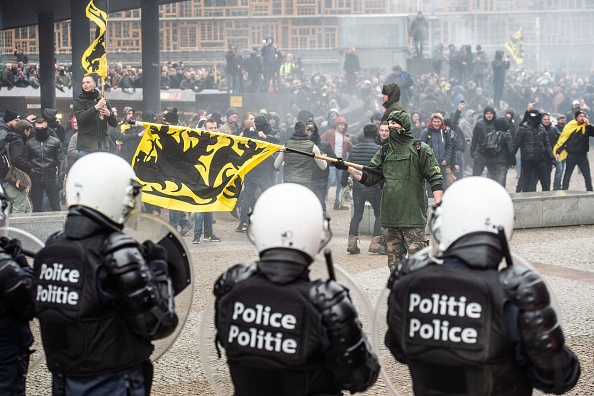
94 59
193 170
515 45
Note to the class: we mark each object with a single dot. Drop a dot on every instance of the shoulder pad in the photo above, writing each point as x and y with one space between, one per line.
119 240
54 236
524 287
410 265
233 275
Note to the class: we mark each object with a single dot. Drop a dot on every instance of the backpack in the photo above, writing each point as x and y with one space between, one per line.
491 144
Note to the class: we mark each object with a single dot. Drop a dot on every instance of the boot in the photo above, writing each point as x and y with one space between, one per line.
376 245
352 248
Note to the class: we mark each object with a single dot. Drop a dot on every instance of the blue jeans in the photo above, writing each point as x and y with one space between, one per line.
232 83
199 219
559 168
177 218
334 177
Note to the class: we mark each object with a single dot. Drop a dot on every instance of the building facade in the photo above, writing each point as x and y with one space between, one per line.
557 33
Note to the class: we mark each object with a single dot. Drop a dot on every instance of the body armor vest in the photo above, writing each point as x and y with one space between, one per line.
448 325
81 334
273 338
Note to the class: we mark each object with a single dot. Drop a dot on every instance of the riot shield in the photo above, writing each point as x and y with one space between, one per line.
31 245
213 357
148 227
392 371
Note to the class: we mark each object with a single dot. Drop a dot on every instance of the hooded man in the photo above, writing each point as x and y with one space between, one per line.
573 145
405 165
479 134
391 97
536 153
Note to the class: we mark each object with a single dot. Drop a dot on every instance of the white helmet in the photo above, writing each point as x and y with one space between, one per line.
105 183
473 204
289 216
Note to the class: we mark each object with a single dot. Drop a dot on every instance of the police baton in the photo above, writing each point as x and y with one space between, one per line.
329 264
329 159
504 246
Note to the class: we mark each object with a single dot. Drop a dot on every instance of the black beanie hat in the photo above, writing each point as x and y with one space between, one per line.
577 113
171 117
10 116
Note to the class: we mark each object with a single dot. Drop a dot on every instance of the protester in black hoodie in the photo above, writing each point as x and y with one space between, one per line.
481 129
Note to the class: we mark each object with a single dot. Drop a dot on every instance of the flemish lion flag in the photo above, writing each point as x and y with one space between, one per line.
193 170
515 45
94 59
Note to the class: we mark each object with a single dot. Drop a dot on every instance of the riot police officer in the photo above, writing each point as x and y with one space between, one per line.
465 328
100 296
16 310
283 333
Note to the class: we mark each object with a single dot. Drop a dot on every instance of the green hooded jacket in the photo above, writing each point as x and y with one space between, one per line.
393 102
404 171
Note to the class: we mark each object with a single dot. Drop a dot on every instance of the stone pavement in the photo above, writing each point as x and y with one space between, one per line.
564 255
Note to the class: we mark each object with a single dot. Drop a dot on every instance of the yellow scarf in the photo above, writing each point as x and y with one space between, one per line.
570 127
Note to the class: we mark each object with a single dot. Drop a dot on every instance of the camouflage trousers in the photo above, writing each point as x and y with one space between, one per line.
402 242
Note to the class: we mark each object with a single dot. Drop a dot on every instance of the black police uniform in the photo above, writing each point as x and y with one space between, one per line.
286 335
457 325
16 310
96 290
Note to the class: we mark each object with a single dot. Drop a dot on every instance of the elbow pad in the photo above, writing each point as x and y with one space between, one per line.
349 357
540 330
135 282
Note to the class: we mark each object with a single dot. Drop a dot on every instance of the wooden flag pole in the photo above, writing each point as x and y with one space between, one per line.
330 159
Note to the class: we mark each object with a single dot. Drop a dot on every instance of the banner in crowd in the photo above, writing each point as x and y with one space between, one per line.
193 170
94 59
515 45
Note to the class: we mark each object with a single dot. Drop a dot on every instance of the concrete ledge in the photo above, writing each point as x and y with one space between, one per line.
532 210
41 225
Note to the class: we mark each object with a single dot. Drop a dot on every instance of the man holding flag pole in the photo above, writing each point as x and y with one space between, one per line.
91 109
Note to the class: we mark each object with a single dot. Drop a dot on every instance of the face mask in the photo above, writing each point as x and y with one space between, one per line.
41 133
396 130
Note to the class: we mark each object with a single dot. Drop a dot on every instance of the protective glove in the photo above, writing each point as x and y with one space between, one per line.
13 247
339 164
152 251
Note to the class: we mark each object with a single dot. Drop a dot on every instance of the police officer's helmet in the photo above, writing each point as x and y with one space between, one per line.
471 205
105 183
289 216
